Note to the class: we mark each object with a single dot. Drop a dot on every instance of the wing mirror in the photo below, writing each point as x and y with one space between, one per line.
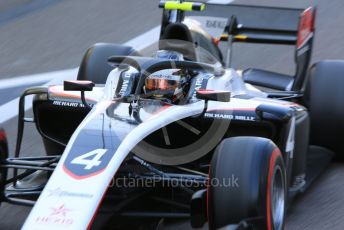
213 95
81 86
78 85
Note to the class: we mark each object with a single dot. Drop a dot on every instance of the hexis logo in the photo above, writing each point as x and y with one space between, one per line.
58 216
62 210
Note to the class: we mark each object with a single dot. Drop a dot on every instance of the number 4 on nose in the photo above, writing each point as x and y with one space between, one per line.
90 163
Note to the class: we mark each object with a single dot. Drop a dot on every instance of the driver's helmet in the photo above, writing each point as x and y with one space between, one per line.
166 84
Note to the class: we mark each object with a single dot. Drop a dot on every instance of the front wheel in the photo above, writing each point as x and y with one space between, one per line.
247 182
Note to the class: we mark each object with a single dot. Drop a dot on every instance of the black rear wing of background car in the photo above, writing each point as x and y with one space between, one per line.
258 24
264 25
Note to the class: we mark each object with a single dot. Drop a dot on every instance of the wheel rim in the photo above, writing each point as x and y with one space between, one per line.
277 198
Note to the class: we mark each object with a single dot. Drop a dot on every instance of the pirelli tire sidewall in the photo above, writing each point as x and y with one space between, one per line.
253 161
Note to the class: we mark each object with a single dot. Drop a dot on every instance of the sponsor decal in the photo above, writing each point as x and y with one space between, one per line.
216 24
58 192
198 83
124 86
230 116
201 83
60 211
58 216
70 104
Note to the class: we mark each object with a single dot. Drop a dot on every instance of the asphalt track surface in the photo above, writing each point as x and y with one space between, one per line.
42 36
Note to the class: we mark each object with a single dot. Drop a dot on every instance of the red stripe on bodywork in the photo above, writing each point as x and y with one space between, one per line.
95 213
69 173
232 109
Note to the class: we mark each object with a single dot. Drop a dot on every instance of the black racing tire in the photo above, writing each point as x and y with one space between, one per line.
94 65
324 98
257 166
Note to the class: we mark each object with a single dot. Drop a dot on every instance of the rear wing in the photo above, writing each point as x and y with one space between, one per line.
257 24
261 24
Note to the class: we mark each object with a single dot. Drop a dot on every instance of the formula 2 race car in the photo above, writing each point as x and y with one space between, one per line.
137 141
